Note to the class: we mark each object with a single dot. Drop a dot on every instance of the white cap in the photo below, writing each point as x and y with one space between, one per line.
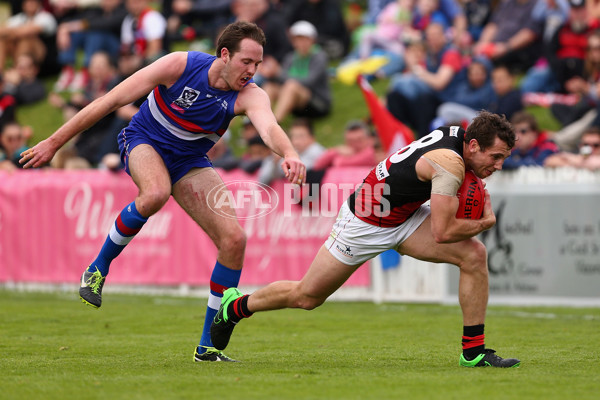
303 28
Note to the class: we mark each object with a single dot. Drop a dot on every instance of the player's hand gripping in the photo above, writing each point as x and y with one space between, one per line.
38 155
294 169
488 218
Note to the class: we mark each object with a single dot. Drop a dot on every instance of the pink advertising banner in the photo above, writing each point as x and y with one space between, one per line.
53 223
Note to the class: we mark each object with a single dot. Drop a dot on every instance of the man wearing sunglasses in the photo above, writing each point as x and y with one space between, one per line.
588 156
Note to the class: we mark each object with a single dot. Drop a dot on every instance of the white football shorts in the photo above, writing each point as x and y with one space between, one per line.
353 241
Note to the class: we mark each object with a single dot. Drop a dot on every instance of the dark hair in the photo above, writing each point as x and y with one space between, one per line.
256 140
234 33
357 124
487 126
523 117
306 123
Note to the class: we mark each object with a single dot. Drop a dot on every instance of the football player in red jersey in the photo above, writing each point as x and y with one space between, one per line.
388 211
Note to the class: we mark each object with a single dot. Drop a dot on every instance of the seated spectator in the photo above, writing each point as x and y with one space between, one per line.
23 81
565 54
109 147
477 15
426 12
471 96
302 87
507 98
392 24
432 74
302 136
588 156
271 21
13 141
95 29
593 10
143 31
457 31
380 49
222 156
8 105
512 35
27 33
552 14
532 146
256 152
358 149
190 19
328 19
578 117
102 76
247 132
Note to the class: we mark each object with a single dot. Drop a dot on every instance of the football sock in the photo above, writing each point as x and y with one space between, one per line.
238 309
222 278
473 341
127 225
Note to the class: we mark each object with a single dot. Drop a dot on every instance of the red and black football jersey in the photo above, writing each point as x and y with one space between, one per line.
392 192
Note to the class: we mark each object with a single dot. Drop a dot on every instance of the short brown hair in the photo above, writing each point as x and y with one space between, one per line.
486 126
234 33
523 117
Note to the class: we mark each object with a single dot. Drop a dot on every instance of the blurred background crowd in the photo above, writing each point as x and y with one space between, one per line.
440 61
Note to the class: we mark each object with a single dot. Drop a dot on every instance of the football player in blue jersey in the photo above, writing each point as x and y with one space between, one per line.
192 97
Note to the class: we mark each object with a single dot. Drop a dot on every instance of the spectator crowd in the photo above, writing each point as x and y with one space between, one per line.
444 60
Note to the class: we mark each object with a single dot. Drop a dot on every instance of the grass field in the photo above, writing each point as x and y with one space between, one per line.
139 347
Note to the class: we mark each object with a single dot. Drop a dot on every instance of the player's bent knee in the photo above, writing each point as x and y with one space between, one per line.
308 302
153 200
475 258
233 241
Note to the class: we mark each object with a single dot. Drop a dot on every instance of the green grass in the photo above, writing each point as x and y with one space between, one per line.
138 347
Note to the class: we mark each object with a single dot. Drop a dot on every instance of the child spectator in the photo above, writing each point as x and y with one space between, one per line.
388 34
507 98
532 146
302 87
472 95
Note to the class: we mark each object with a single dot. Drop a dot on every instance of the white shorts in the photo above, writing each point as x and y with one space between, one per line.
353 241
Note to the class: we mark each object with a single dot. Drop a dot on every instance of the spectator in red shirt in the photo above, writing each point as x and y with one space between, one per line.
358 149
565 52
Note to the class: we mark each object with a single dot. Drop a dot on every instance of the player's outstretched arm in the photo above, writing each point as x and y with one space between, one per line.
255 103
164 71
